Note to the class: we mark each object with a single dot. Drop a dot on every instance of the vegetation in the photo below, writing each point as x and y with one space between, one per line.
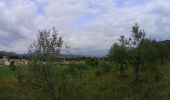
137 50
42 75
136 68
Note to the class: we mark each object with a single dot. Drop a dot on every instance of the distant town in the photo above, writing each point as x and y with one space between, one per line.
8 58
16 61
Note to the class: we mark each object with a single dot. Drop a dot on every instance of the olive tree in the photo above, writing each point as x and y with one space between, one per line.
135 50
43 75
47 46
141 50
118 53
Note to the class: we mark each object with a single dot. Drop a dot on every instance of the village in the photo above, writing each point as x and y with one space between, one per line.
16 61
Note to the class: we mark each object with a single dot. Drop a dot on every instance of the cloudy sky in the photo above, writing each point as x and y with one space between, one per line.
87 26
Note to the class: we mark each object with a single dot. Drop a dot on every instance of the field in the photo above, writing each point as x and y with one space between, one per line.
154 84
8 86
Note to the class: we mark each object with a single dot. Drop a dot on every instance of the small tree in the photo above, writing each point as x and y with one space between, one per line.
13 66
136 51
136 57
119 54
42 75
47 46
141 50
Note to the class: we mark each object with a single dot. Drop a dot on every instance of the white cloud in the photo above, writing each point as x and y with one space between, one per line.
20 20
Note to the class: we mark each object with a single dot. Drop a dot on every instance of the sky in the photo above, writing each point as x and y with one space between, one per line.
89 27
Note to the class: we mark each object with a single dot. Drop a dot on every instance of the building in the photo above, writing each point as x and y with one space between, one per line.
24 61
1 62
20 61
4 61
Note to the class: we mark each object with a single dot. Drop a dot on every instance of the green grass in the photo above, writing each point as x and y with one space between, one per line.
8 87
5 73
111 87
108 86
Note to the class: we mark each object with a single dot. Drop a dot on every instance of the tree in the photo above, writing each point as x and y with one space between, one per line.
47 46
141 50
43 75
150 51
135 50
118 53
92 61
136 56
13 66
163 52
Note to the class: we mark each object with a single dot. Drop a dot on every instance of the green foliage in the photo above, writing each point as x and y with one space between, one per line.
76 70
103 68
137 51
12 66
153 84
47 80
118 53
163 52
47 45
42 75
92 61
106 67
150 52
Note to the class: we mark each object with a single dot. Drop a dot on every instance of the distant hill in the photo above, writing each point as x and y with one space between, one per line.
166 41
15 55
9 54
69 56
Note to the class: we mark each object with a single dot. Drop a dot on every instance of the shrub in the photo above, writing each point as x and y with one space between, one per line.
75 69
12 66
92 61
103 68
45 79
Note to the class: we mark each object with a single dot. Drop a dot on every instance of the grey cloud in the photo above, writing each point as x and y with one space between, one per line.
20 20
9 36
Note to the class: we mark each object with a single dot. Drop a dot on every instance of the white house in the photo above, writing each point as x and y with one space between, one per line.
5 60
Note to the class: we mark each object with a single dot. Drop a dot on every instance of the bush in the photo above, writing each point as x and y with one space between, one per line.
106 67
103 68
75 69
44 79
92 61
12 66
98 72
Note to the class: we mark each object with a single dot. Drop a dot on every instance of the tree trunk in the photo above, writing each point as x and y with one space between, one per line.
126 66
136 71
54 97
162 60
121 70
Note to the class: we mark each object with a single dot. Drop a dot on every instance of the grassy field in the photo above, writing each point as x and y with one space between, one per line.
8 86
154 84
